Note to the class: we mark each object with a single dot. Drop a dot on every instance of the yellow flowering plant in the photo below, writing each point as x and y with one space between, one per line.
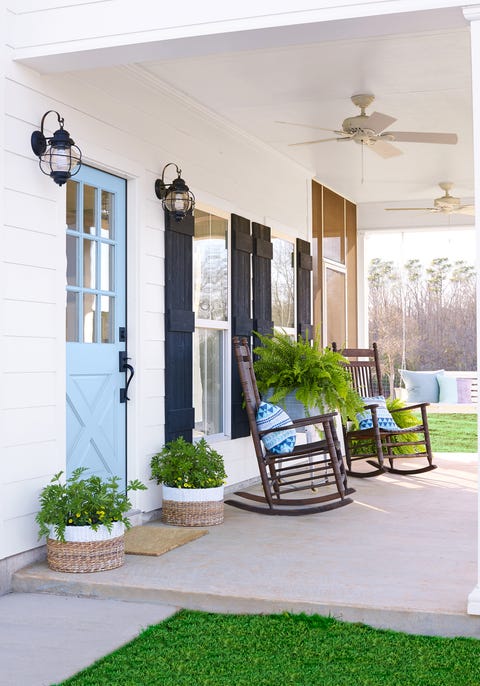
79 501
188 465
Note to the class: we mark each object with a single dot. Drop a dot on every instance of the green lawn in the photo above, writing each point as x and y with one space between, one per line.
453 433
200 649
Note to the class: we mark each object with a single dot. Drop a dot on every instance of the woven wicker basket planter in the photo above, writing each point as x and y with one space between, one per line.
192 506
98 551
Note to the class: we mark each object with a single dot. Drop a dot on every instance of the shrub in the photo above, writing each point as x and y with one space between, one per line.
188 465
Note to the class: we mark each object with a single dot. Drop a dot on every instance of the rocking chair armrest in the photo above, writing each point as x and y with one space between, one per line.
296 423
314 419
277 428
373 406
410 407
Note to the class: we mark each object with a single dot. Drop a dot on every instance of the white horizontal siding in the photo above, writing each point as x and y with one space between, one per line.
29 425
24 389
29 355
24 282
29 460
125 124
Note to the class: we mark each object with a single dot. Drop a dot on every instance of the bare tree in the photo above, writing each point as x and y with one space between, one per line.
424 318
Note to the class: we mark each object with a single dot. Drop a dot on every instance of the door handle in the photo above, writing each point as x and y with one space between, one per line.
124 366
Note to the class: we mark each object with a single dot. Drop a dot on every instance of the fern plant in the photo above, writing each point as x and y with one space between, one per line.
316 375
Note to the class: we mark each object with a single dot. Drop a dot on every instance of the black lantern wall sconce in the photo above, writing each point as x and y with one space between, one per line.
176 197
59 157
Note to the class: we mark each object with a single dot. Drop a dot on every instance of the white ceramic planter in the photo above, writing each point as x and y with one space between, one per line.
192 506
192 495
85 534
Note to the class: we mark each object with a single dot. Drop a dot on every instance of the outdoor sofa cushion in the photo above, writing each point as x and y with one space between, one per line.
454 390
422 387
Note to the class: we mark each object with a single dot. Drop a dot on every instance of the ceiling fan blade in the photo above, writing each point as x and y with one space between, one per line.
320 140
385 149
308 126
423 137
378 121
466 209
410 209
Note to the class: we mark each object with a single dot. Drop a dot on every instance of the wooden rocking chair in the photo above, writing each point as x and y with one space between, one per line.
377 442
314 468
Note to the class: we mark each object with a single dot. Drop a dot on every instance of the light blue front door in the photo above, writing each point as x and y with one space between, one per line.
95 323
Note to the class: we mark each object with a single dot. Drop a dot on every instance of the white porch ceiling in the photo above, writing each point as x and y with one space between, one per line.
417 65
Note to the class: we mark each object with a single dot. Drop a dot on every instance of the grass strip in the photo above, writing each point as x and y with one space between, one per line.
453 433
293 650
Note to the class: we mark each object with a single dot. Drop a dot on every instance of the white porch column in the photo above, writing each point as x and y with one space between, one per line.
473 16
362 292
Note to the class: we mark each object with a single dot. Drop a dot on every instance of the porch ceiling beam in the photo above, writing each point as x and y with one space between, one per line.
102 34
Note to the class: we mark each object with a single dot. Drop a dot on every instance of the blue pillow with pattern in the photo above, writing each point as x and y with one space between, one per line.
273 417
385 419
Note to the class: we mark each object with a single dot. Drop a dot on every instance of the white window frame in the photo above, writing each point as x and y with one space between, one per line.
291 331
220 326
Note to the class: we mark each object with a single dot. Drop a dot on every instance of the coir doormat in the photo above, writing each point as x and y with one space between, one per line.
156 540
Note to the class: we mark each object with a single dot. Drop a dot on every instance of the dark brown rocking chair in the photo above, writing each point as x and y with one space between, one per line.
314 467
377 442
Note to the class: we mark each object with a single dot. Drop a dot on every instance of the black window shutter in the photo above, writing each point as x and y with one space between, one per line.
179 327
262 280
304 289
242 324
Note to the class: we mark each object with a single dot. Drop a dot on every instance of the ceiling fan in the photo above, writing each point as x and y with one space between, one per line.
446 204
369 130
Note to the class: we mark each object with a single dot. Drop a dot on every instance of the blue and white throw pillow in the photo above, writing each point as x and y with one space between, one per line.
272 417
385 419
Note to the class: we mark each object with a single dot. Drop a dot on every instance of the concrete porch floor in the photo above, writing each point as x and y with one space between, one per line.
402 556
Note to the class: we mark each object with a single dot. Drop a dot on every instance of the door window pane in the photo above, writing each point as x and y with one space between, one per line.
283 284
72 260
107 319
72 317
107 222
89 263
208 381
106 267
89 323
89 207
210 273
72 197
336 313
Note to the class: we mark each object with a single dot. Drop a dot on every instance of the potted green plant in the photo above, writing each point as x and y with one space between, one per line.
84 521
192 477
315 376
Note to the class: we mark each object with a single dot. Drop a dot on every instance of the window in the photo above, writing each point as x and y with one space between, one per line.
335 306
283 284
210 304
91 246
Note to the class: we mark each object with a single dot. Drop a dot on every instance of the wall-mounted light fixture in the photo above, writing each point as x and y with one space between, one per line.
176 197
59 157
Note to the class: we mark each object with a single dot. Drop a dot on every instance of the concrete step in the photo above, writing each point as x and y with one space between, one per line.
121 585
401 556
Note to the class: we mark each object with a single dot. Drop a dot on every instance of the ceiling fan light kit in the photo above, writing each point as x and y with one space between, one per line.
369 130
